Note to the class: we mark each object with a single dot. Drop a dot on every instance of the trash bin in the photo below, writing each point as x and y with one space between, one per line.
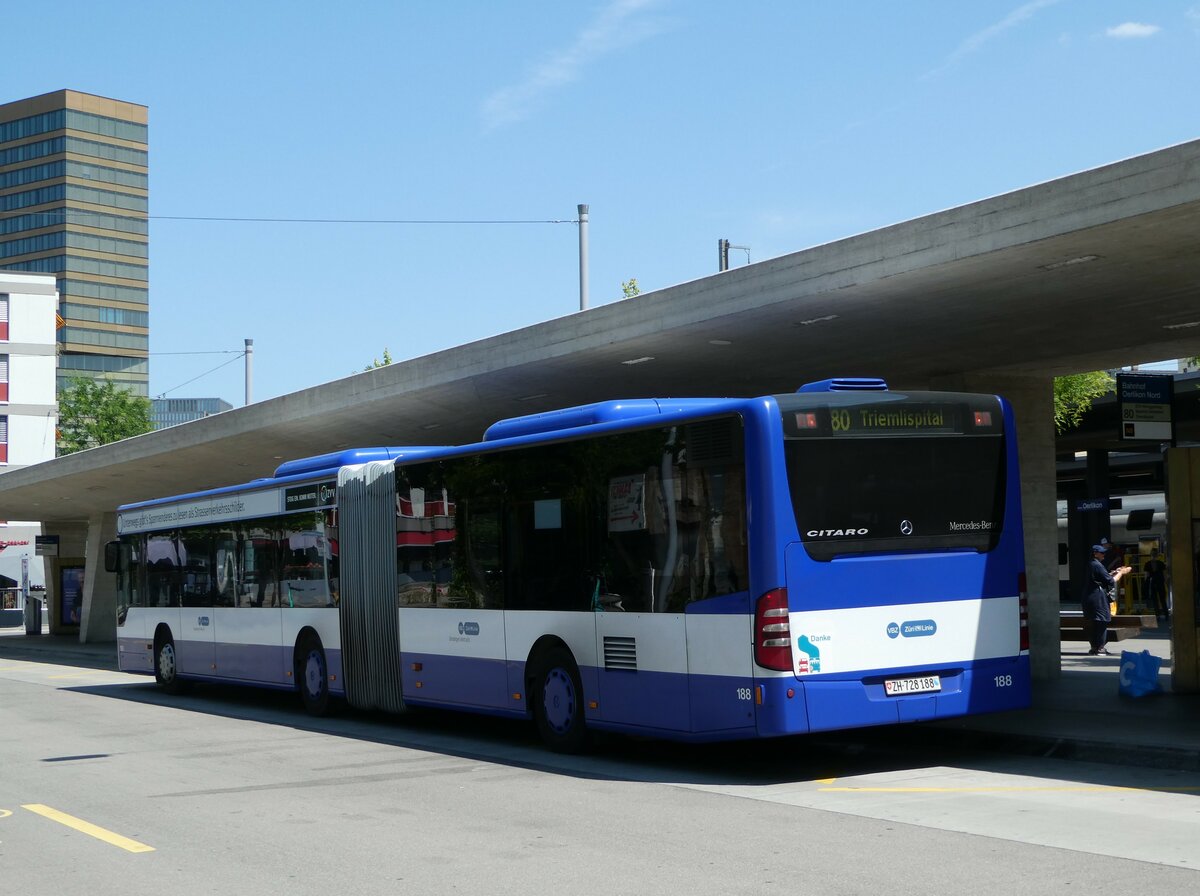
33 616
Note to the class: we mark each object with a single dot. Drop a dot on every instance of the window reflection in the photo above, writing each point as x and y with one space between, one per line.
648 521
287 561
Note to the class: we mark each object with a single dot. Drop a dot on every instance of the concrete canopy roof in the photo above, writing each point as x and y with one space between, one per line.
1098 269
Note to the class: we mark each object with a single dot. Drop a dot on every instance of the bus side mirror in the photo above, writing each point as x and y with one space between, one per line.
112 556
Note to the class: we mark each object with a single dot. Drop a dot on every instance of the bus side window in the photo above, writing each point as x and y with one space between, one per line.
430 533
477 566
225 560
303 549
196 585
259 582
165 558
689 540
547 556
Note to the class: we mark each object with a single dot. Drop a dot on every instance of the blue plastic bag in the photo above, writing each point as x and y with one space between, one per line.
1139 674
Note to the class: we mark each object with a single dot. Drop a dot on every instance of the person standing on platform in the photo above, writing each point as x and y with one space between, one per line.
1156 584
1098 586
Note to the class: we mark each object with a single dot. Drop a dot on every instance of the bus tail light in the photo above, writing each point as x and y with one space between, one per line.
773 631
1023 604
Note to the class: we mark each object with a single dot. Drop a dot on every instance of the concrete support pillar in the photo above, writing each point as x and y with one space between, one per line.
1032 399
1096 524
1090 525
99 622
1183 565
60 569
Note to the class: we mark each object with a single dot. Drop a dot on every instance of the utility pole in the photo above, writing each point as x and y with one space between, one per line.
723 247
583 257
249 370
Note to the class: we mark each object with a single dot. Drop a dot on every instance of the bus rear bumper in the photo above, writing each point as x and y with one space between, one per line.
823 703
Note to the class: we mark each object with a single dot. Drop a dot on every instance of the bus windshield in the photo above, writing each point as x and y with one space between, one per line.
868 476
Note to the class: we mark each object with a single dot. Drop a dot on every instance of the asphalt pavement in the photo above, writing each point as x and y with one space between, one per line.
1080 715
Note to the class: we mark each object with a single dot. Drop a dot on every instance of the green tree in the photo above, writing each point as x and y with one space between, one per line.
630 288
93 413
1074 394
387 359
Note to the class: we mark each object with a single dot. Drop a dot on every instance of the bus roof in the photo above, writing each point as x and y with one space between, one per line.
598 417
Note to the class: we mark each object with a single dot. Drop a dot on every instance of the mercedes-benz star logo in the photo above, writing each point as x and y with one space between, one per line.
906 527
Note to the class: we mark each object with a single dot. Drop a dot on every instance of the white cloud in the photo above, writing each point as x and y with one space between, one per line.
620 24
979 38
1132 30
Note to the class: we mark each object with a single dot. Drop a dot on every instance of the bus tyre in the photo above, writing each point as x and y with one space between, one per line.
558 701
312 677
166 664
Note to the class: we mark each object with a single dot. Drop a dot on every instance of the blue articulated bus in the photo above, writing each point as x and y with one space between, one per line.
696 569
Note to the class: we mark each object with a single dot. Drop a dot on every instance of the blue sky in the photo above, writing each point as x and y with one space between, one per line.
777 125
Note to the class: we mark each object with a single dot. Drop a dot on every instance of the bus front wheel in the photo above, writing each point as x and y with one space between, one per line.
166 664
558 701
312 677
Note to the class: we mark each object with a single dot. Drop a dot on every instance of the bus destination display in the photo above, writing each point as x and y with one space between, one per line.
882 420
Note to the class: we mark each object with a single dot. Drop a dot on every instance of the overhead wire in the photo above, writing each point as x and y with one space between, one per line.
67 213
240 354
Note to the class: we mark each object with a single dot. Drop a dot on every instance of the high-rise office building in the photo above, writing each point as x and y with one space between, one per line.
73 203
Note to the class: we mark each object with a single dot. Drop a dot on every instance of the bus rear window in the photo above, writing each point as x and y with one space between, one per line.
897 493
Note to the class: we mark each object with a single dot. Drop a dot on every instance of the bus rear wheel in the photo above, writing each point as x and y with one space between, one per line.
558 701
312 677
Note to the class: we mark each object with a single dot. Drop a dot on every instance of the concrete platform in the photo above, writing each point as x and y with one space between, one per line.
1082 715
1121 627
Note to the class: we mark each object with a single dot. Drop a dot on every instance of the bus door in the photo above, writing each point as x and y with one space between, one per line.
249 616
720 668
641 630
196 646
672 634
544 556
448 582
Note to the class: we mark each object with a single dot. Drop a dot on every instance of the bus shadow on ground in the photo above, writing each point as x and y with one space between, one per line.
755 763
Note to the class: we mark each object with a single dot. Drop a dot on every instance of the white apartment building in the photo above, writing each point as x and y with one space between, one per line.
28 408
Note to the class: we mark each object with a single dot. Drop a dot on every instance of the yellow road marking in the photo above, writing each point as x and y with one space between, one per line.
4 813
825 780
85 827
1093 788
